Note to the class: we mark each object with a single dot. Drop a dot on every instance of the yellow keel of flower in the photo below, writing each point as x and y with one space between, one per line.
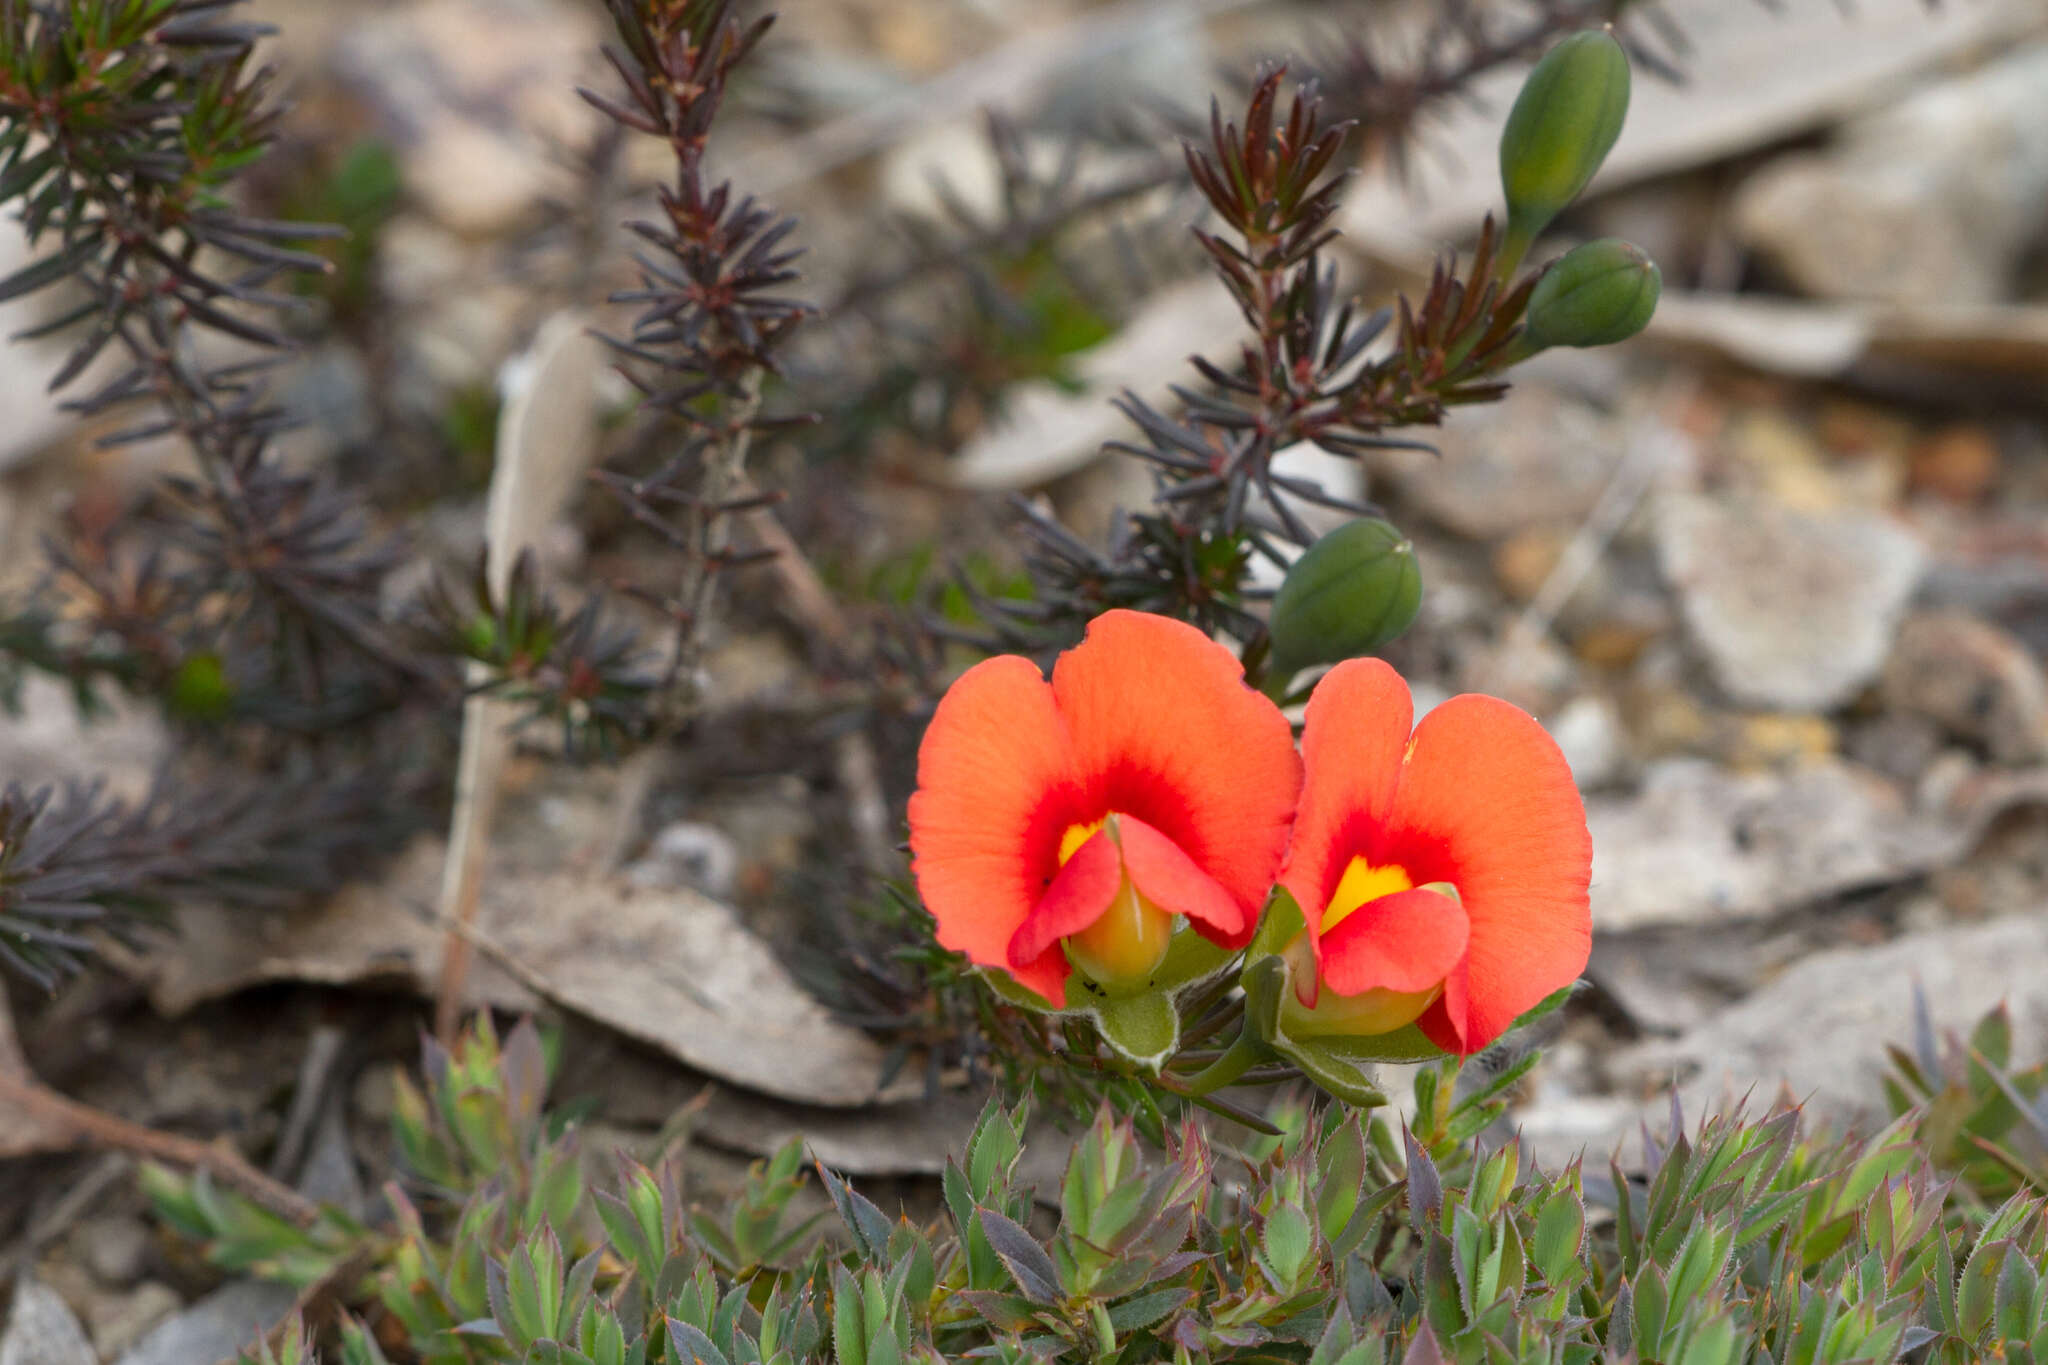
1369 1012
1361 883
1121 950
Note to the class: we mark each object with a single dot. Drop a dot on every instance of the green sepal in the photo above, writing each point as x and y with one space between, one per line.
1282 921
1144 1029
1339 1064
1141 1025
1337 1068
1190 959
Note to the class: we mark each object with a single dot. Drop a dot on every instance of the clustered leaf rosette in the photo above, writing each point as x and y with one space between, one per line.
1103 841
1435 890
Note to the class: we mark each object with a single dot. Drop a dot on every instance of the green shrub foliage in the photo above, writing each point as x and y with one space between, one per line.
1352 1237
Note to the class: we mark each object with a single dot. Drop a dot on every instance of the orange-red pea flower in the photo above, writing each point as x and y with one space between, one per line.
1442 875
1075 822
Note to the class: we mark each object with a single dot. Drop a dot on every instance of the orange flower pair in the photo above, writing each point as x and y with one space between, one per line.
1076 827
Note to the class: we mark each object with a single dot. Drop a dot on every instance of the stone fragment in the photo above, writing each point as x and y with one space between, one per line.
1820 1028
1588 729
1933 201
479 97
1959 463
1525 559
1701 845
1536 458
118 1321
42 1330
215 1328
1974 680
114 1247
692 854
1793 611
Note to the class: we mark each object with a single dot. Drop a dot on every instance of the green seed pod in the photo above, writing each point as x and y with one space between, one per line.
1349 593
1594 295
1563 125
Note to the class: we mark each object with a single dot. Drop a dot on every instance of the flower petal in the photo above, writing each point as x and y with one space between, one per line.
1447 1020
1167 877
1357 728
1079 893
1487 803
1166 730
996 787
1409 941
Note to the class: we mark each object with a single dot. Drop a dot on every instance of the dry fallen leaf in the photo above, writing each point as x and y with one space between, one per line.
671 968
547 437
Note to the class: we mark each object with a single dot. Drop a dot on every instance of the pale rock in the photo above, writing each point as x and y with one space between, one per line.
1331 475
943 169
1147 68
215 1328
1048 431
1535 458
1701 845
1959 463
49 742
1554 1129
1974 680
1895 743
1786 460
118 1321
1933 201
459 324
1793 611
1528 668
472 181
1947 777
42 1330
1588 729
114 1247
35 418
692 854
1820 1028
480 98
1523 562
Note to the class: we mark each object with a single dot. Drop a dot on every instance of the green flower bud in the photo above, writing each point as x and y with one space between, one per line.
1563 125
1349 593
1594 295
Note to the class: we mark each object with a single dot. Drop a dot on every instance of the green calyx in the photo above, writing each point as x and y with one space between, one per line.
1351 592
1594 295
